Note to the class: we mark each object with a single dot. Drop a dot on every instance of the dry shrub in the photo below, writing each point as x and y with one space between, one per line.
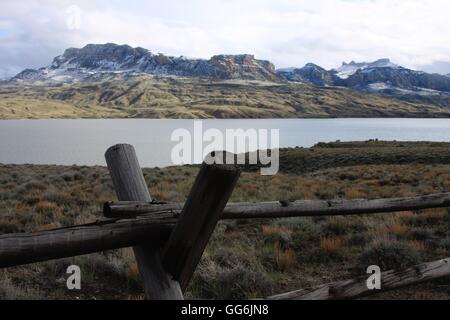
58 215
58 197
163 191
7 289
436 215
358 239
421 234
371 182
389 227
388 255
428 217
406 216
274 231
396 229
10 291
84 219
45 207
20 208
445 243
235 281
354 194
332 244
251 190
8 227
284 257
49 226
423 295
416 245
133 271
336 226
30 186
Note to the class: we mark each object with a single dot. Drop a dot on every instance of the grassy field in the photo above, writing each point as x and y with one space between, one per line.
247 259
144 96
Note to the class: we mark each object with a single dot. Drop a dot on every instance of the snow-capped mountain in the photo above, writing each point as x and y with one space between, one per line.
80 64
381 76
94 61
399 77
310 73
349 69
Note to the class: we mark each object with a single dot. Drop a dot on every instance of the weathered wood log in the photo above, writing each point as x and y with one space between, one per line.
302 208
19 249
133 209
130 185
28 248
357 288
198 219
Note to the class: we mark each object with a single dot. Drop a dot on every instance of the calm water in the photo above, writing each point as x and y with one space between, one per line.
83 142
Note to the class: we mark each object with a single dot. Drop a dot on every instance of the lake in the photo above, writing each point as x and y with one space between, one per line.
84 142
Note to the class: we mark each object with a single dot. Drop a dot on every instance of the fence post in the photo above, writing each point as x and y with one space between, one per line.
130 185
201 212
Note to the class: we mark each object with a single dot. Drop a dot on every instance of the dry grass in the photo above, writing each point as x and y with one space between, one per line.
418 246
405 216
332 245
436 215
45 207
144 96
133 271
284 257
274 230
244 259
397 229
20 106
423 295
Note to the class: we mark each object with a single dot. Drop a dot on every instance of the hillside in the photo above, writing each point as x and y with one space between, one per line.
323 156
137 95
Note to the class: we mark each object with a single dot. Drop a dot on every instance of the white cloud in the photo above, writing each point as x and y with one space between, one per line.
287 32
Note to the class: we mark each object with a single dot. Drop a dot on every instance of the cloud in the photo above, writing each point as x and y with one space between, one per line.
287 32
442 67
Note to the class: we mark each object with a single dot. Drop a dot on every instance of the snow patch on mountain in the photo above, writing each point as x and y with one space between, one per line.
290 69
384 87
349 69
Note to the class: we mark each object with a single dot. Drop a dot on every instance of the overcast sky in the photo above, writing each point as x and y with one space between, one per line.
412 33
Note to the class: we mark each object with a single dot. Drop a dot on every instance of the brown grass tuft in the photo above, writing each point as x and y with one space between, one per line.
273 231
332 244
284 258
416 245
133 271
423 295
45 207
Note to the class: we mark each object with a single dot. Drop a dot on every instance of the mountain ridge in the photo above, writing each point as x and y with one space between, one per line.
95 62
77 64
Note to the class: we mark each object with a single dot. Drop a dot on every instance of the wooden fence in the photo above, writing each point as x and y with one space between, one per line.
169 239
